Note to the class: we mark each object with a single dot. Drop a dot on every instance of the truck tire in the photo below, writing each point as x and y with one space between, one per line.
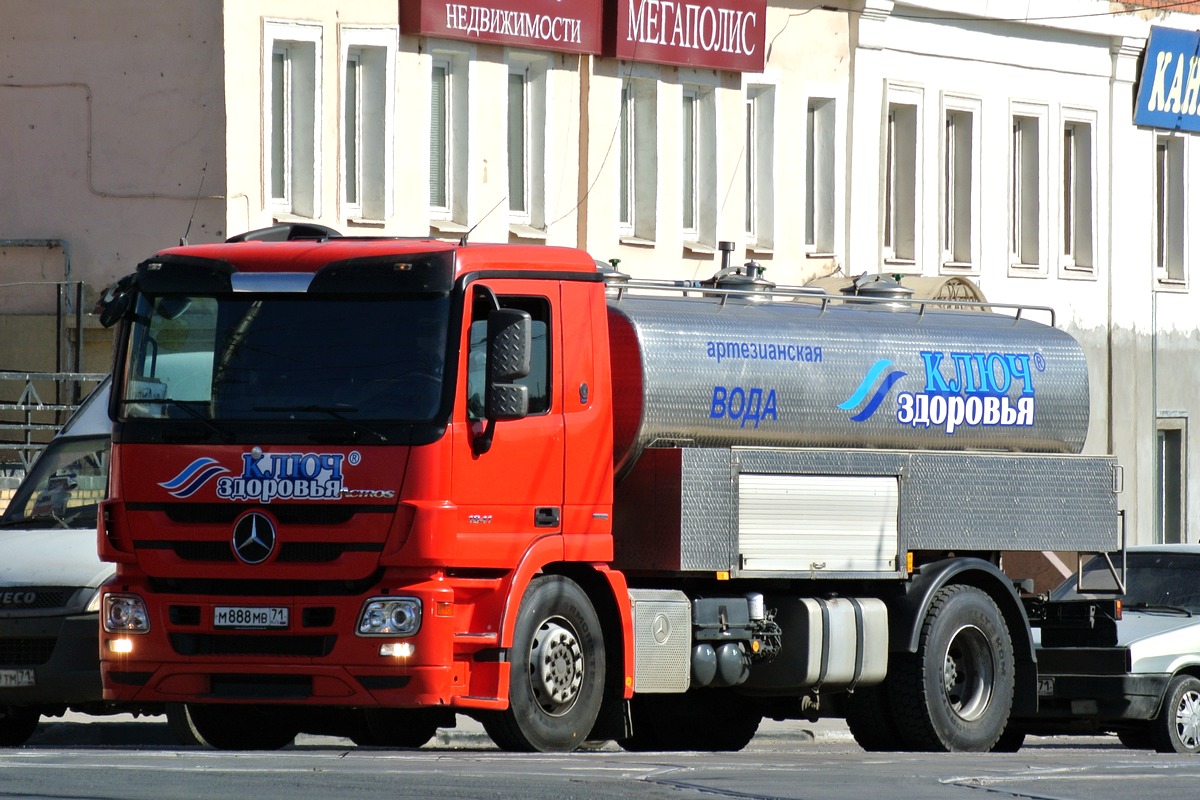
869 717
556 684
236 727
388 727
17 725
709 720
179 723
1177 727
955 693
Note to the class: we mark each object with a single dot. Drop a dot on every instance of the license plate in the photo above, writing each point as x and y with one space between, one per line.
254 617
1045 687
11 678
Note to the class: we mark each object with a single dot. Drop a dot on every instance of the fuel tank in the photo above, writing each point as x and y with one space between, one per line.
718 372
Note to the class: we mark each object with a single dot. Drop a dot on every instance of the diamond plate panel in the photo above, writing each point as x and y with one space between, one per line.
662 635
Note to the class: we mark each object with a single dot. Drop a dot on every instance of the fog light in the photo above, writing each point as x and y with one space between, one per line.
397 650
120 646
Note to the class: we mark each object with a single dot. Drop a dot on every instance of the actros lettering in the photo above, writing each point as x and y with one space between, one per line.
744 405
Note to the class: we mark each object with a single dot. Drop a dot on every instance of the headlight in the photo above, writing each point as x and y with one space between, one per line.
93 604
390 616
125 613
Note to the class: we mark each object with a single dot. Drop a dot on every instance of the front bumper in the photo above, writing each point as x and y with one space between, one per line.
1095 684
61 651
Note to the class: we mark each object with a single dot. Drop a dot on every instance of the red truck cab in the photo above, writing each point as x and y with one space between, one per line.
338 467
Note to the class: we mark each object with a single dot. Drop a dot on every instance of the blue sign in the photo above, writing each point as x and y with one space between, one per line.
1169 92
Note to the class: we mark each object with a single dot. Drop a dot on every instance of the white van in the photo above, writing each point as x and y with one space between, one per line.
50 577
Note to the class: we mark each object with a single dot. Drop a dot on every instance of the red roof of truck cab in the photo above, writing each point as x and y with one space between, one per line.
311 255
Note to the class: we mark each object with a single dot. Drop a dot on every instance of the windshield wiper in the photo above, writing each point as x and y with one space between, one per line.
352 433
186 405
1158 607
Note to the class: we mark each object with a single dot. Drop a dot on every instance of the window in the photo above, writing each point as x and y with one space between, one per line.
638 198
760 165
448 138
1077 205
900 184
538 379
1028 187
1172 480
818 176
698 135
960 186
291 110
366 113
527 143
1169 210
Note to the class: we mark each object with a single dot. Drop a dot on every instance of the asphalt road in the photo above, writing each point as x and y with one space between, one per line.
105 758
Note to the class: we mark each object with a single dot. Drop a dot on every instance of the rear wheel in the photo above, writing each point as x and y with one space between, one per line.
557 677
869 717
235 727
1177 728
16 725
955 693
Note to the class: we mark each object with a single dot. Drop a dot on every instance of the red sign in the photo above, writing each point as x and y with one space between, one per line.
721 34
565 26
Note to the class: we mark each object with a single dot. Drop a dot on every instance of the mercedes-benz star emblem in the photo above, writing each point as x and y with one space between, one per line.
253 538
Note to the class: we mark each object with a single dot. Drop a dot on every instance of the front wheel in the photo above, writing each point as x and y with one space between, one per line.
388 727
557 678
1177 727
955 693
16 725
237 727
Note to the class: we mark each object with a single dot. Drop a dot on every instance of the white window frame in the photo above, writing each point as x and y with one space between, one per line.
298 101
1077 203
450 216
1170 210
759 165
820 189
1029 190
901 175
959 185
368 58
528 215
701 173
637 192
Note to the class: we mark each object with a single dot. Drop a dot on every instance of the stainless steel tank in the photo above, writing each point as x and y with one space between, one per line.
711 372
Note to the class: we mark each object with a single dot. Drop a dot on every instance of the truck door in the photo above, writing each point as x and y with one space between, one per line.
513 492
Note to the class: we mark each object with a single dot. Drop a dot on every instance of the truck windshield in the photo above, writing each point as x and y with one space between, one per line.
287 357
1153 579
64 487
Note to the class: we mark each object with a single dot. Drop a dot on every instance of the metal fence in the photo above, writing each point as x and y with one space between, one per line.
33 406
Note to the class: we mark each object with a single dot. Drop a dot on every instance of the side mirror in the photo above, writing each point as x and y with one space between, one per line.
509 348
116 302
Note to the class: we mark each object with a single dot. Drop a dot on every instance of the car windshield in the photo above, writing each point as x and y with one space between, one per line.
1162 578
64 488
287 357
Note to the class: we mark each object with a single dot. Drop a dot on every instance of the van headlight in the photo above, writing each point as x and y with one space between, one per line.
93 605
125 613
390 616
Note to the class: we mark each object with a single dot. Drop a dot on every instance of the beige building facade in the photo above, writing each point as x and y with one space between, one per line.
945 139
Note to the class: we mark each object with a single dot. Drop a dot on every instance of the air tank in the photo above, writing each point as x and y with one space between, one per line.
711 371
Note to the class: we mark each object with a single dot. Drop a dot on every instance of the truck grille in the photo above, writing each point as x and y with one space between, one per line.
289 552
27 651
207 644
265 588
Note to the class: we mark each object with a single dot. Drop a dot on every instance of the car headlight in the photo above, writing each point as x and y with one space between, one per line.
125 613
93 605
390 616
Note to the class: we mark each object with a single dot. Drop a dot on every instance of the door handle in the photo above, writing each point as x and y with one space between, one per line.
546 517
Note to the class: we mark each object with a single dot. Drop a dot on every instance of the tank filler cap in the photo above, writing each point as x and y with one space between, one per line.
608 270
879 286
